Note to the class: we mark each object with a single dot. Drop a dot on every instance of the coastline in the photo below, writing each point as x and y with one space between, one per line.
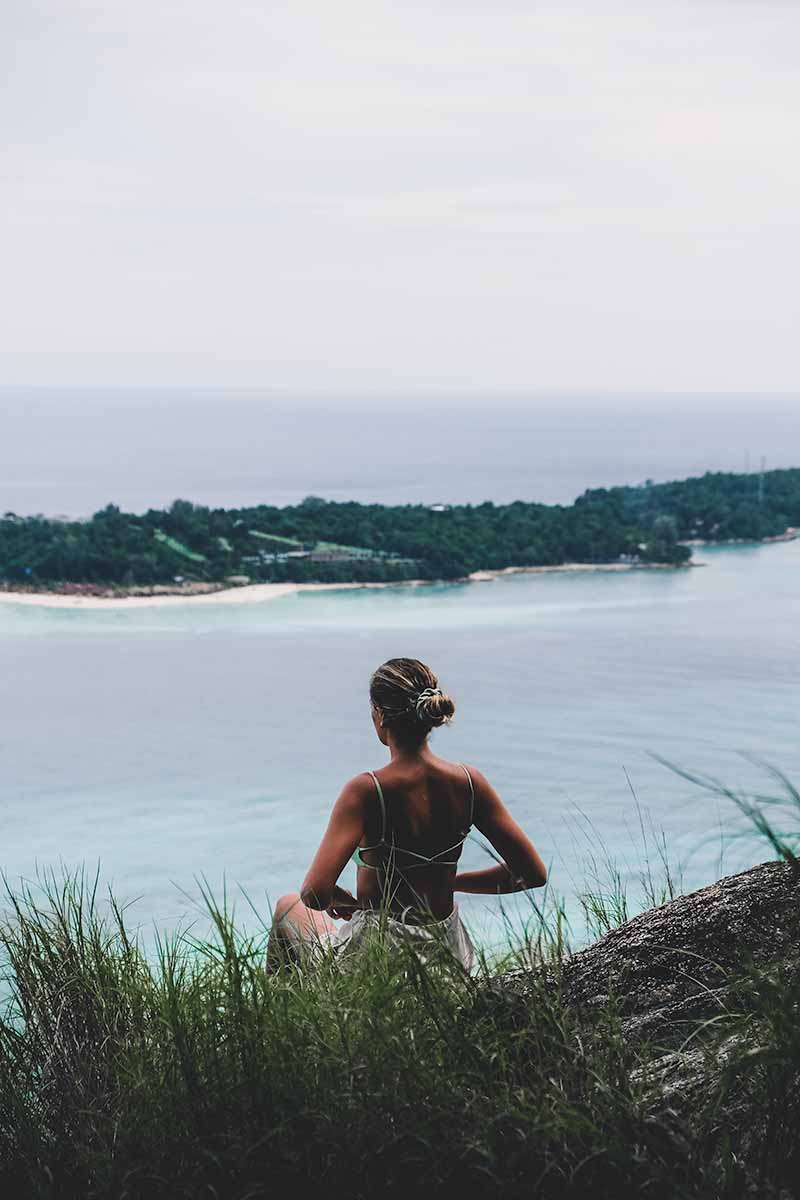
237 594
791 534
252 593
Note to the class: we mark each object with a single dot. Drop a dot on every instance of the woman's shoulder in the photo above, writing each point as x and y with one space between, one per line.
456 770
458 765
444 768
359 787
475 773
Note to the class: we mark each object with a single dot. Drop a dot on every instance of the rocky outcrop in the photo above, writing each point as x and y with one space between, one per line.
672 965
675 965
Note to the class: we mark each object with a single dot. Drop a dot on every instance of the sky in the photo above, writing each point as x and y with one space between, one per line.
356 195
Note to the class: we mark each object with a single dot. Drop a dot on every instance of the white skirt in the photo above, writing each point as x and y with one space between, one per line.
364 923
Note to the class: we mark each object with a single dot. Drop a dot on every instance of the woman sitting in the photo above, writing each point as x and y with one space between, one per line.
405 827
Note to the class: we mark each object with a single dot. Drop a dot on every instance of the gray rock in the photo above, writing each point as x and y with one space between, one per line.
670 966
733 1082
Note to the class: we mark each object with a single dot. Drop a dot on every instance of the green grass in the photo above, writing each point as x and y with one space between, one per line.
178 546
274 537
201 1075
190 1071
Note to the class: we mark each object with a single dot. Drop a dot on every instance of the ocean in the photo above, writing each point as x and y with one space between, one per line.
162 746
72 452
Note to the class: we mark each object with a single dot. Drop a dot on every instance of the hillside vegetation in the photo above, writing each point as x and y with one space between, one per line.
323 540
609 1073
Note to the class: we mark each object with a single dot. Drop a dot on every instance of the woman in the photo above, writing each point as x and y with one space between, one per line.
405 826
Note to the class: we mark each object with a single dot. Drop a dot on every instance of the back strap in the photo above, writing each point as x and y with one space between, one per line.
382 803
471 793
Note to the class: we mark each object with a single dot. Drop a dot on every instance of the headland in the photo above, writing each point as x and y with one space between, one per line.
192 553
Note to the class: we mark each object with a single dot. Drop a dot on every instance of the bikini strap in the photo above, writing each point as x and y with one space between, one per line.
471 794
382 803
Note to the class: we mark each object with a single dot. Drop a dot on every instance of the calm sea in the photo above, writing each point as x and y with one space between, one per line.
73 452
169 744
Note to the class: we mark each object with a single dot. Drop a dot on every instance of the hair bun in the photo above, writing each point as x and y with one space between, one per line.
406 694
434 707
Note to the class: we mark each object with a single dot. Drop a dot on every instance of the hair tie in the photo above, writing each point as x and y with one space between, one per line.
426 694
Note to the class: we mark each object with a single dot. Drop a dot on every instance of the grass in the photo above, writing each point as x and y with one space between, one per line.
193 1072
178 547
277 538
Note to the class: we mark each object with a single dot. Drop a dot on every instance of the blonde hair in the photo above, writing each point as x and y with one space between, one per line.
407 695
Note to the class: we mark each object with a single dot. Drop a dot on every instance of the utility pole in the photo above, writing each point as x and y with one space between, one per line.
761 480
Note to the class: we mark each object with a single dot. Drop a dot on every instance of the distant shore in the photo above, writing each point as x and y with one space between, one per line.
789 535
95 596
162 596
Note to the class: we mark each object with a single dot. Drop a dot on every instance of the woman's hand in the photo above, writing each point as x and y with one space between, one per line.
343 904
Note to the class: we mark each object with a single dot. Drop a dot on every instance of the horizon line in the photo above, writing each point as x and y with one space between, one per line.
420 390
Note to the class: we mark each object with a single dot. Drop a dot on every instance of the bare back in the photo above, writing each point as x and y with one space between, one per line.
429 807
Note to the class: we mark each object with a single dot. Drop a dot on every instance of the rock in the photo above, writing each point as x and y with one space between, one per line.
670 966
730 1088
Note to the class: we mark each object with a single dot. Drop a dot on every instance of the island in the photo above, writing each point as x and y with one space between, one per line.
193 549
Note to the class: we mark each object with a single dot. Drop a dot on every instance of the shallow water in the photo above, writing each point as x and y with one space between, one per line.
166 744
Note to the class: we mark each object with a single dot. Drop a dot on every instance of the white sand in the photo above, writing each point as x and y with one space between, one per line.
265 591
247 594
254 592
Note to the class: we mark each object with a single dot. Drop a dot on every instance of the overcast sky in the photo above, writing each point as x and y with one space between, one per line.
347 194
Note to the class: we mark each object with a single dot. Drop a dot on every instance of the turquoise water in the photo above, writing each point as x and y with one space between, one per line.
166 744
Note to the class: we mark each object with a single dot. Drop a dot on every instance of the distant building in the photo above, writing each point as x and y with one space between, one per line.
439 507
330 556
327 552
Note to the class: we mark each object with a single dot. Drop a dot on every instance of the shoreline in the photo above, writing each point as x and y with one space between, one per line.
162 596
792 534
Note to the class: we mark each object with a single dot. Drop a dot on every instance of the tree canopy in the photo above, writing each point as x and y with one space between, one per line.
331 541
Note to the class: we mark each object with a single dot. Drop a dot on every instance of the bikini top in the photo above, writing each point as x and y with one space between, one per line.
435 860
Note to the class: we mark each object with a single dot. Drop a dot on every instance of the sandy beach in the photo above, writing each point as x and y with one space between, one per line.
254 593
246 594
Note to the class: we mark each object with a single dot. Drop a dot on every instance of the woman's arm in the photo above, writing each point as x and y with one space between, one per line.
492 881
344 832
522 866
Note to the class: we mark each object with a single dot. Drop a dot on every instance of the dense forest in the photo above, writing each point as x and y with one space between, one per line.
715 507
322 540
